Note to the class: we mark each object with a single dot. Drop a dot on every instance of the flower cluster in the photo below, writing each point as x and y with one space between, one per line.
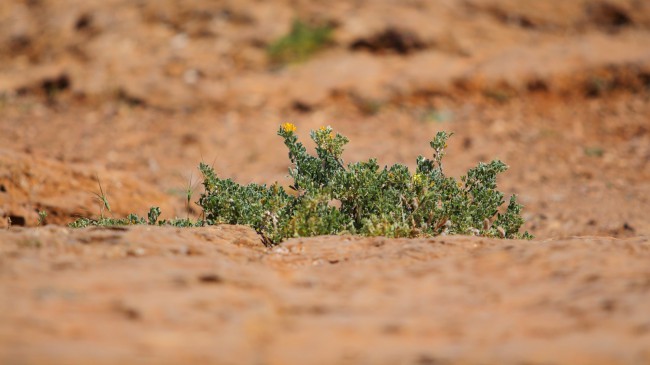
288 128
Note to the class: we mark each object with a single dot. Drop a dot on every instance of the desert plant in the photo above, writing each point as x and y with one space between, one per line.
363 198
300 43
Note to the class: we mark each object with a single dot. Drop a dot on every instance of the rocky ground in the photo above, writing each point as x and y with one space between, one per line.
136 94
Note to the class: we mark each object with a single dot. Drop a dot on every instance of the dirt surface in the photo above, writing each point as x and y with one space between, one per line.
135 94
214 295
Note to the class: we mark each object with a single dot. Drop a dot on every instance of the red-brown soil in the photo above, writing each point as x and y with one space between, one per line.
136 94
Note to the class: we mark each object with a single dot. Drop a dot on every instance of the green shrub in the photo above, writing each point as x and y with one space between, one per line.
300 43
363 198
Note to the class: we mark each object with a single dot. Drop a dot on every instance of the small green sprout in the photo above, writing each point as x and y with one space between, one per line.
154 213
189 191
103 199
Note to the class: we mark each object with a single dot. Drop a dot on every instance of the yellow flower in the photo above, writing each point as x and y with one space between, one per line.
325 129
288 127
417 178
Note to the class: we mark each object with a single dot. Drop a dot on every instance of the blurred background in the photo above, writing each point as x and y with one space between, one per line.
136 93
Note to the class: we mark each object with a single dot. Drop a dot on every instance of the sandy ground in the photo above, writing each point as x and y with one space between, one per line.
137 94
214 295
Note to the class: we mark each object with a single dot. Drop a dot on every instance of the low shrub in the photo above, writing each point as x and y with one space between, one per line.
363 198
328 197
